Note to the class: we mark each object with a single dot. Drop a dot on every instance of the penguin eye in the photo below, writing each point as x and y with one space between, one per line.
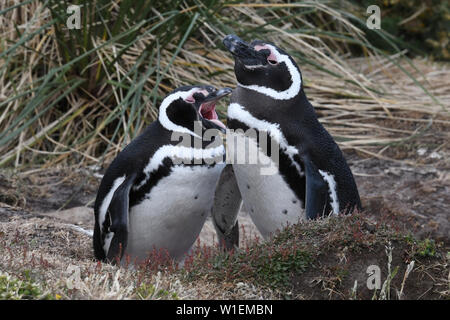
271 57
198 95
190 99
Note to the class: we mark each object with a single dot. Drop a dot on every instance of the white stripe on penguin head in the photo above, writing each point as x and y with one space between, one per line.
164 119
296 79
238 112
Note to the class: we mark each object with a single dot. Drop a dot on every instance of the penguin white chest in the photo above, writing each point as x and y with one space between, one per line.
173 213
267 197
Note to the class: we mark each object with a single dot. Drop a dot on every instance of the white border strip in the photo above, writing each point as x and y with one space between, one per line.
329 178
107 200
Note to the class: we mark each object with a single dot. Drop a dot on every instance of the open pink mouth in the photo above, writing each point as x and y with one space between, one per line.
208 111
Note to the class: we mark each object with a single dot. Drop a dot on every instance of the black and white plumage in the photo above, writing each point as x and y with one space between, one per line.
158 191
311 177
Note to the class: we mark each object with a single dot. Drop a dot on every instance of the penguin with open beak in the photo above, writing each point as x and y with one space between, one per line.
158 192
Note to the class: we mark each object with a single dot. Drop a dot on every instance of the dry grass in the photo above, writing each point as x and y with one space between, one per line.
371 105
315 260
48 255
59 261
361 100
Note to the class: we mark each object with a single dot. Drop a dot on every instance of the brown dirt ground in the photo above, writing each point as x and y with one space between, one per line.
414 198
334 274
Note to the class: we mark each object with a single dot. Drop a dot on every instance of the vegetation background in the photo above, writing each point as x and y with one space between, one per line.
77 96
71 99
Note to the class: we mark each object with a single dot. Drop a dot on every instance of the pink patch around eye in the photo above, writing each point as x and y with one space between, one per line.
190 99
271 57
204 92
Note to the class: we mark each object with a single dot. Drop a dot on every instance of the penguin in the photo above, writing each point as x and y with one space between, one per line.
308 177
158 191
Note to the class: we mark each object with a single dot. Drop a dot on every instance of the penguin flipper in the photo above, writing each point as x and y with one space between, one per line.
118 210
316 191
227 202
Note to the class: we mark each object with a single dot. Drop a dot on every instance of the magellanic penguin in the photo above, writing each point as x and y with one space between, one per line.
158 191
311 178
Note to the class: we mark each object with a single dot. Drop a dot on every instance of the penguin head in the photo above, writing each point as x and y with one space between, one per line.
188 104
264 67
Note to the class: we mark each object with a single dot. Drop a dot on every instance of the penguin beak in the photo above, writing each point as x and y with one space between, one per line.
218 94
245 52
209 117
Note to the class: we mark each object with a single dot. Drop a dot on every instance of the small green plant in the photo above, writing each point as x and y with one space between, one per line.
149 291
426 248
277 269
272 263
422 248
12 288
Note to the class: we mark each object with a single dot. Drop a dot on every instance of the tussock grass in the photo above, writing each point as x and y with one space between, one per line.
77 96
